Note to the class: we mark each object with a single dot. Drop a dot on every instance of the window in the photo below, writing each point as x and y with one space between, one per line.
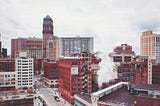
50 44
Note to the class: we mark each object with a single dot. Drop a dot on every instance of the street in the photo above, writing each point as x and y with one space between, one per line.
46 94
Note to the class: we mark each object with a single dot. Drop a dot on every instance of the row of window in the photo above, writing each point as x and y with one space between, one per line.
25 84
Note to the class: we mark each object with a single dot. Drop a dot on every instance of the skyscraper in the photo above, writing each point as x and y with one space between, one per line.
150 45
50 42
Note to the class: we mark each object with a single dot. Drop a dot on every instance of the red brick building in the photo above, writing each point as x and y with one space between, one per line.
156 74
126 73
37 66
7 64
122 53
51 74
93 63
132 68
32 45
18 44
147 100
76 75
140 69
122 56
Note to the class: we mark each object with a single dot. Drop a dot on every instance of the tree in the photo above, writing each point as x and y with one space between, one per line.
30 90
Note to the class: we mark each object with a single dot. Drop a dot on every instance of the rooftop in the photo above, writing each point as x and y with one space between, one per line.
109 88
34 38
148 96
120 96
48 18
146 86
85 96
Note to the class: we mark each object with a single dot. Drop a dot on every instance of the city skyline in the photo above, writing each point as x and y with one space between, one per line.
104 20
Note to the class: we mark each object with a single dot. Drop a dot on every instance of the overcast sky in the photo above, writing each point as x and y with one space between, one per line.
110 22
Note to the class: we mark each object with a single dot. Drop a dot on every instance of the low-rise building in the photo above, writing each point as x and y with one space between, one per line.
51 74
121 94
7 81
17 100
7 74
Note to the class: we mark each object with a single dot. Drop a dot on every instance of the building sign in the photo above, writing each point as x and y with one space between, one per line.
74 70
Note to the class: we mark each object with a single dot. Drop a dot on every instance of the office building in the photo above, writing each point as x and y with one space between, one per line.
18 44
34 47
31 45
24 70
4 52
150 45
72 45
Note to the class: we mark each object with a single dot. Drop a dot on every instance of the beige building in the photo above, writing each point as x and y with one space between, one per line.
7 80
150 45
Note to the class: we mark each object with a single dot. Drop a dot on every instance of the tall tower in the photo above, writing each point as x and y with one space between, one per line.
147 43
50 42
150 45
47 32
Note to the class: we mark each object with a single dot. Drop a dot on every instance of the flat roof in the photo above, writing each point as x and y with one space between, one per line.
85 96
108 88
148 96
76 58
119 97
146 86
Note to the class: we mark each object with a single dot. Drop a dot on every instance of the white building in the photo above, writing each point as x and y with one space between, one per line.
24 70
71 45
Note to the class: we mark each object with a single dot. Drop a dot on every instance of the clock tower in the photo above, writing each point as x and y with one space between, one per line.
50 42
